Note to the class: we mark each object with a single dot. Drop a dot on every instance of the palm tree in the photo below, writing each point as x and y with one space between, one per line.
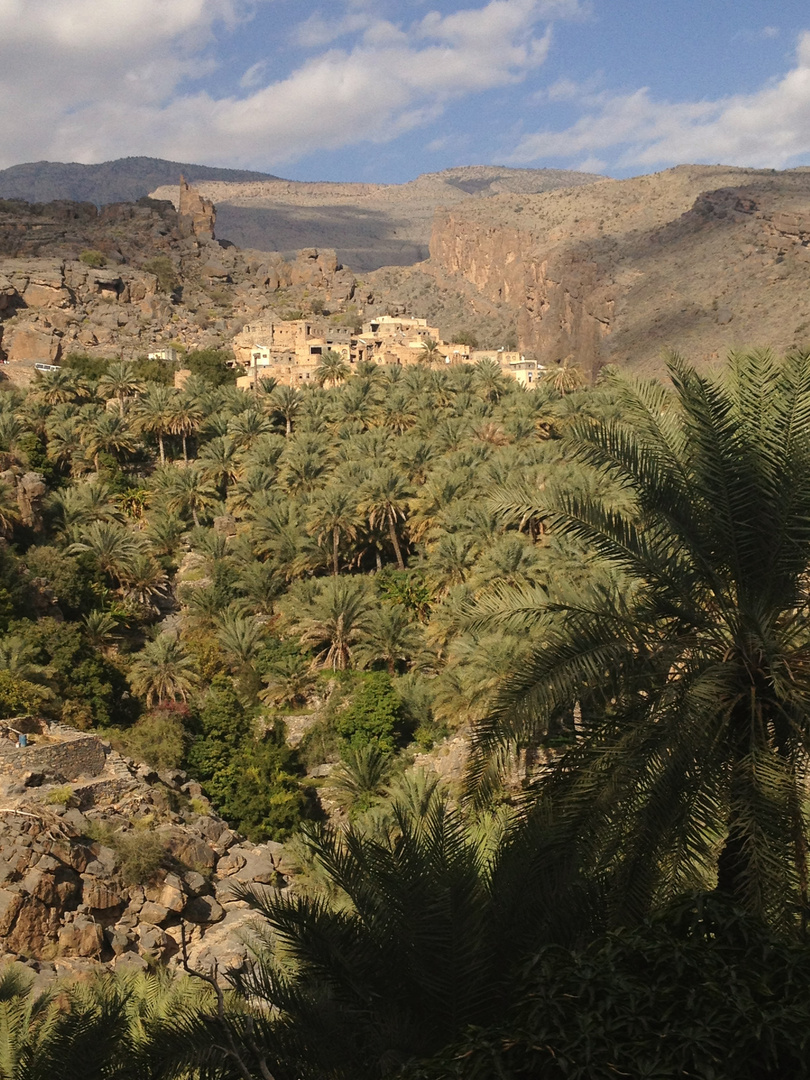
361 778
330 618
384 501
489 379
565 378
332 369
120 382
75 1032
241 637
190 492
426 925
332 515
100 629
247 427
108 433
186 419
687 655
115 548
162 671
286 401
143 582
82 504
154 413
390 636
430 352
59 386
219 462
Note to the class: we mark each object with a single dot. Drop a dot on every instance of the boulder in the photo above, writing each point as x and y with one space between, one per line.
153 913
203 909
32 343
82 937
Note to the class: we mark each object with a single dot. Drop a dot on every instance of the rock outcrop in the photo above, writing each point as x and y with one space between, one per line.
108 862
197 215
127 280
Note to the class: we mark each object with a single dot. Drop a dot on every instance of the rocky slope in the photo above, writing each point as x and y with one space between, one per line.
104 861
698 258
369 225
123 180
130 277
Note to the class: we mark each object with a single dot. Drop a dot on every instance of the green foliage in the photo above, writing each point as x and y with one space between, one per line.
252 782
93 258
265 797
89 689
70 579
712 996
60 796
154 371
140 852
211 365
159 738
19 696
165 271
90 367
406 587
374 714
682 649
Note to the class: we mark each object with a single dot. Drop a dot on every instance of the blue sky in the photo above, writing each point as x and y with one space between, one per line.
381 91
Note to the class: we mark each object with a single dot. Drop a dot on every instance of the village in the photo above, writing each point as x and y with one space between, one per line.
290 352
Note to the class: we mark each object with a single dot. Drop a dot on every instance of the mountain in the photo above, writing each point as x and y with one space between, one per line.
369 225
123 180
701 259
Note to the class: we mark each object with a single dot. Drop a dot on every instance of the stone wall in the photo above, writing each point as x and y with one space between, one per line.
74 755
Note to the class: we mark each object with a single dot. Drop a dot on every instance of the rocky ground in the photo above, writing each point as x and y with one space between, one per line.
107 867
701 259
130 278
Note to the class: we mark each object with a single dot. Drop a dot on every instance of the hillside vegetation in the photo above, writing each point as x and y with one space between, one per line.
604 590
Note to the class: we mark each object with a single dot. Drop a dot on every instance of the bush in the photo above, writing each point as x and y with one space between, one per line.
141 853
91 367
211 365
159 738
713 996
164 270
60 796
375 714
253 783
91 257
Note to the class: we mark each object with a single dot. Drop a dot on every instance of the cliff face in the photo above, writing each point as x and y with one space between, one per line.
701 259
369 225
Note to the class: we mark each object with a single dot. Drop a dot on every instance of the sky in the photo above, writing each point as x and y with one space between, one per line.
381 91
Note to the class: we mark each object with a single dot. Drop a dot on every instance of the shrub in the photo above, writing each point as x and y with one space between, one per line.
374 714
211 365
141 853
164 270
91 257
60 796
159 738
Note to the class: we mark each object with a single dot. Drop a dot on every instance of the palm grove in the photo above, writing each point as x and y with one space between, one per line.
606 588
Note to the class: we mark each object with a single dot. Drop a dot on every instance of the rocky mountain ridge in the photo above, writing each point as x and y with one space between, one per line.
131 277
369 225
698 258
122 180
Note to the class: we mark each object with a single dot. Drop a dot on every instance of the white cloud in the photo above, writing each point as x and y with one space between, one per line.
769 128
81 80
